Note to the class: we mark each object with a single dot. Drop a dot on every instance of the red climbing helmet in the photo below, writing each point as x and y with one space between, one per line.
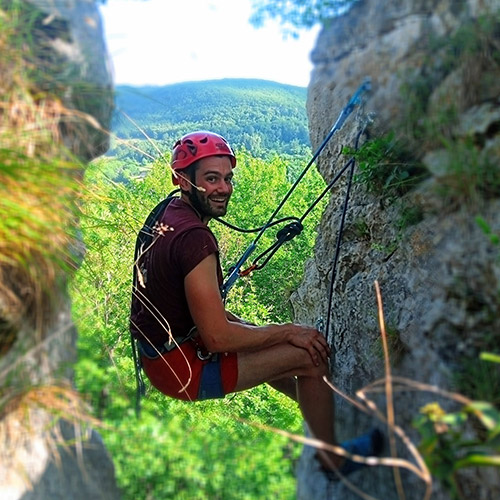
200 144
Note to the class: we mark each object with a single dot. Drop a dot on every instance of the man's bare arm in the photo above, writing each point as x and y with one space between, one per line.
220 334
235 319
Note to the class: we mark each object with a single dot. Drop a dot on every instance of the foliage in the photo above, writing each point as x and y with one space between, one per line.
39 190
385 167
472 49
485 227
469 437
478 379
298 14
190 450
396 347
409 215
259 188
37 195
473 39
469 173
38 181
197 451
236 108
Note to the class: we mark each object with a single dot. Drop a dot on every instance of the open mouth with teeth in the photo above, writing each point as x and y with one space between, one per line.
219 200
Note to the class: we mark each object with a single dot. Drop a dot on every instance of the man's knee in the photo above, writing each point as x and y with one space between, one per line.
276 362
322 370
309 368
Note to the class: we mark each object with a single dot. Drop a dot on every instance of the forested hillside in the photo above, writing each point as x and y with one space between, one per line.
261 116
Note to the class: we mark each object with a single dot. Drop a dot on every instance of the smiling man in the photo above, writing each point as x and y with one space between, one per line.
191 347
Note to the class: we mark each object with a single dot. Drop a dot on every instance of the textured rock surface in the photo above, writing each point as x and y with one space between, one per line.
61 471
440 277
38 456
80 71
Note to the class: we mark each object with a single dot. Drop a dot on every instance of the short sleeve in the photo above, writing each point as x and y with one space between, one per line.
192 247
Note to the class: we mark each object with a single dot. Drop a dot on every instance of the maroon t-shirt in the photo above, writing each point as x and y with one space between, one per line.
162 302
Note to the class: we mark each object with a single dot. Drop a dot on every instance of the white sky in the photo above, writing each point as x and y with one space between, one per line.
159 42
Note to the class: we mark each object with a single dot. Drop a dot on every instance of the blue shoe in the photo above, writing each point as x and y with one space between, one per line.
367 445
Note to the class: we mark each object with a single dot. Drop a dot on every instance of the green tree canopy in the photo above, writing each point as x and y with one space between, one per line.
297 14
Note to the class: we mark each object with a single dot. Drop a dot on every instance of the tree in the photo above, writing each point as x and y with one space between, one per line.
297 14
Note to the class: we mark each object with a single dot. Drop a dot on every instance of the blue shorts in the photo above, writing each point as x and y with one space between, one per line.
211 380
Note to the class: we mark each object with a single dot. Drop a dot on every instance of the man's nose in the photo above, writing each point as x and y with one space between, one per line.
224 187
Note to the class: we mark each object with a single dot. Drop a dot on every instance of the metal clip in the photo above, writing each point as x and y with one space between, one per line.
320 324
201 356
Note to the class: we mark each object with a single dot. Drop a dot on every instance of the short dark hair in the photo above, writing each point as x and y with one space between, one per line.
190 173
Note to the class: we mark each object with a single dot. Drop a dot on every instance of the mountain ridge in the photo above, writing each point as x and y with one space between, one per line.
261 116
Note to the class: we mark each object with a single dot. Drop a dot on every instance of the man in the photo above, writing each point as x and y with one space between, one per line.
192 348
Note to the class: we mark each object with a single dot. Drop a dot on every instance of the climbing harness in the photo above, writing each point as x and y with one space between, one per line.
295 227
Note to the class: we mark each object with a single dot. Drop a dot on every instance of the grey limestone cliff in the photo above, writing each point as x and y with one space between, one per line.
435 72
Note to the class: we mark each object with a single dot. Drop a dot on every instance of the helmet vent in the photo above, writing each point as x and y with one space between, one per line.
191 146
180 155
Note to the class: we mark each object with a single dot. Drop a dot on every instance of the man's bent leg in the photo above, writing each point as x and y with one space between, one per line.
287 386
317 406
315 398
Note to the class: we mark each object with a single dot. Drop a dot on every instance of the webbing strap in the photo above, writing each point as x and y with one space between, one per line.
144 239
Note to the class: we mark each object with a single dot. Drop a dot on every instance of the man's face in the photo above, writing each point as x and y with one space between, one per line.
214 175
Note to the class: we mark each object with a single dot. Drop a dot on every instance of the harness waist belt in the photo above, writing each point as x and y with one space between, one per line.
152 351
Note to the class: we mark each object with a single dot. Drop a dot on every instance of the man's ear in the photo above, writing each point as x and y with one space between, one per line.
183 182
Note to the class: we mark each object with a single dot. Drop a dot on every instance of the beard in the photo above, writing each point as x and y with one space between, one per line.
205 206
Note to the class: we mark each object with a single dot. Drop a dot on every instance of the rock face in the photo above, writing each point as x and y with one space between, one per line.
79 72
435 72
68 83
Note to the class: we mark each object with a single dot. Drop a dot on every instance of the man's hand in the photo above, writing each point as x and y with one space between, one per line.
310 339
